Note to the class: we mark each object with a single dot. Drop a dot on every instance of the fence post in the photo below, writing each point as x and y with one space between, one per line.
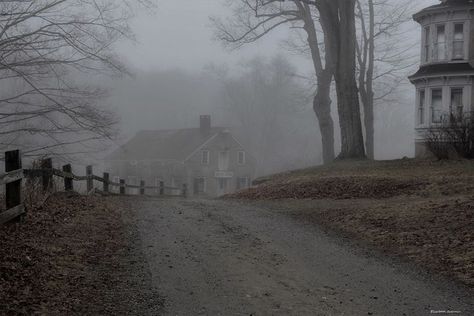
185 189
162 188
122 186
68 182
142 187
90 180
47 167
106 182
13 189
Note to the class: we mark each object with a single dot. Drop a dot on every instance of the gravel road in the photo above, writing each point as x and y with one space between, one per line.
213 257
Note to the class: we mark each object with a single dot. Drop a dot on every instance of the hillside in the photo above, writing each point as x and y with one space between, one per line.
419 210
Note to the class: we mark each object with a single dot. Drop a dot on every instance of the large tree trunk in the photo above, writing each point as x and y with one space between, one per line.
352 140
322 108
324 74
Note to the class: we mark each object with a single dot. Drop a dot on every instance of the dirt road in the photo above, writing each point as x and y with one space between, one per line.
234 258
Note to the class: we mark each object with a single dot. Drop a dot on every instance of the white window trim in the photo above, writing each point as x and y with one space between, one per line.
207 154
244 157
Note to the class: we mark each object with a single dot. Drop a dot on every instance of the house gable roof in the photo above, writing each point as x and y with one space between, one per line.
174 145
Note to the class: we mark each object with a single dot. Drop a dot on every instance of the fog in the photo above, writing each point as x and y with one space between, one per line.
172 84
172 69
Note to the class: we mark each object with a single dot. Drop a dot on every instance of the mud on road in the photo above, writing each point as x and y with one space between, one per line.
237 258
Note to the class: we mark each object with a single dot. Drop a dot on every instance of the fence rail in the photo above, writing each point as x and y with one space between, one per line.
15 174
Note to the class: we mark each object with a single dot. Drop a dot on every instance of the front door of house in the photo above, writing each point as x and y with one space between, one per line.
222 186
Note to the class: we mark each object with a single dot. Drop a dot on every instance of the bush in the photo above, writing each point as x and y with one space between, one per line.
454 136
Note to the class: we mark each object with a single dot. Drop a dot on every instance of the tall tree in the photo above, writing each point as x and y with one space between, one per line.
338 24
254 19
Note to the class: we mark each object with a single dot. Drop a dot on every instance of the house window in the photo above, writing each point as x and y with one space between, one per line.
440 44
427 44
223 162
205 155
436 105
241 157
421 107
242 183
199 185
116 179
458 42
456 107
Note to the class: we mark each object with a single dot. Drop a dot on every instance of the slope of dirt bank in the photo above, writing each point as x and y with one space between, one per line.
419 210
74 256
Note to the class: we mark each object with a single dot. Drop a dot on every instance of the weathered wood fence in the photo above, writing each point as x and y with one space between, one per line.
15 174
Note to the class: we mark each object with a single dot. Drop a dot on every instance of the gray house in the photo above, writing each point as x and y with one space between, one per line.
445 80
208 159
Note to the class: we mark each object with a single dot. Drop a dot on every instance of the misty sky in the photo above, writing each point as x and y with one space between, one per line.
178 35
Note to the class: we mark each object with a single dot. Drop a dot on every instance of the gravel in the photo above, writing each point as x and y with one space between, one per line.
222 257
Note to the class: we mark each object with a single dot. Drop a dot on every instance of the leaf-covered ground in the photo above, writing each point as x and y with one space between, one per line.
422 211
74 256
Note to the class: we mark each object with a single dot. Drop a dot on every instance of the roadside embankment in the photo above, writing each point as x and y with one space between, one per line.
74 255
419 210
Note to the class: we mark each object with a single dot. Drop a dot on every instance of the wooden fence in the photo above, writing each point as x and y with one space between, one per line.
15 174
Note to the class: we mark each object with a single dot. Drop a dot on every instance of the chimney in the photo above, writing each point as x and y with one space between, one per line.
205 124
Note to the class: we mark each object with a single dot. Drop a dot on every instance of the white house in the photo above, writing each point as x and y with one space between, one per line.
444 82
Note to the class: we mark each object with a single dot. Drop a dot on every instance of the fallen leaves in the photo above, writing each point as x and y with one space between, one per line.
338 187
73 255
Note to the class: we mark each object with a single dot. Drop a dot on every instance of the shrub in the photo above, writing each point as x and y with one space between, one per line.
454 136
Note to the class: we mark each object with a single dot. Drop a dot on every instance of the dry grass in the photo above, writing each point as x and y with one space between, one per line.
73 255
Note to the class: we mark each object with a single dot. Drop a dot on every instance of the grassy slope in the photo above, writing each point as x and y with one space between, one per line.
74 256
421 210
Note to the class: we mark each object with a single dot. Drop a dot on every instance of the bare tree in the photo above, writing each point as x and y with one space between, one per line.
337 19
380 55
253 19
48 51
